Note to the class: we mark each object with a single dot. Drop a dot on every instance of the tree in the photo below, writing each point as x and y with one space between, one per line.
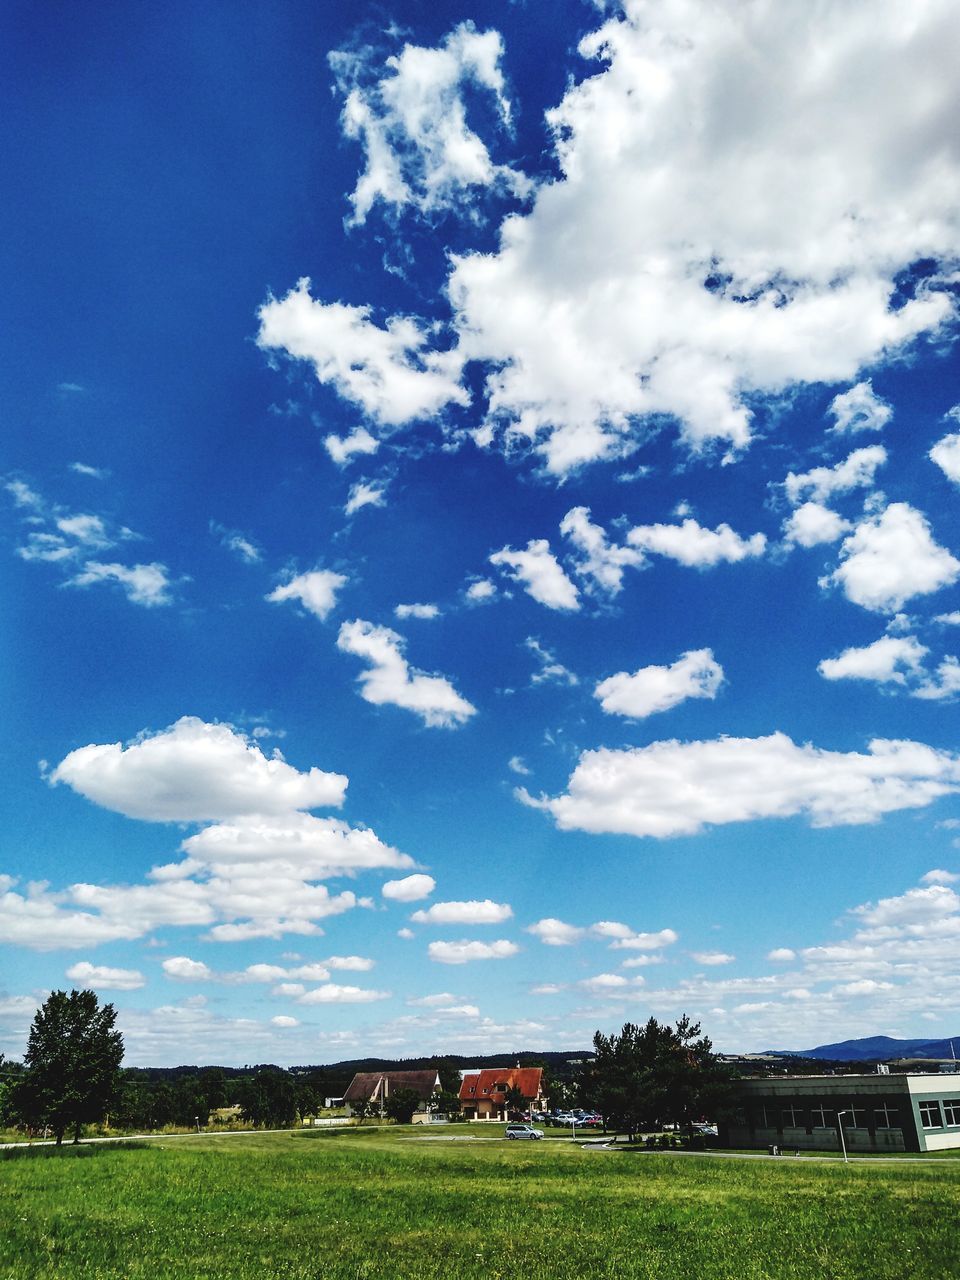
269 1098
651 1075
401 1104
515 1102
73 1064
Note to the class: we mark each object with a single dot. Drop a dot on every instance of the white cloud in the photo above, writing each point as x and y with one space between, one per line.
485 912
365 494
600 561
233 540
410 888
316 848
88 530
426 612
859 409
949 619
608 983
940 877
316 591
946 454
712 958
342 448
104 979
916 906
464 952
183 969
146 584
391 680
84 469
692 545
412 123
354 964
856 471
695 674
631 941
442 1000
555 933
540 574
194 772
551 671
283 1021
765 253
406 934
481 590
812 524
890 558
385 370
674 788
41 921
885 661
333 993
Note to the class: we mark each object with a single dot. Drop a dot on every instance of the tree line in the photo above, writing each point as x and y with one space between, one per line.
638 1080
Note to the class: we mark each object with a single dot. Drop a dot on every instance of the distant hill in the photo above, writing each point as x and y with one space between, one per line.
873 1049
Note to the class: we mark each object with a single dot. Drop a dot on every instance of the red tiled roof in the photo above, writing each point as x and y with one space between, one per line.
480 1084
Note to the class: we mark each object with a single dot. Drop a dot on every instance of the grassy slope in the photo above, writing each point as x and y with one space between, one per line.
370 1205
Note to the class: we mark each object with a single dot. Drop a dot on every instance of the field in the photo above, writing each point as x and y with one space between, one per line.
376 1204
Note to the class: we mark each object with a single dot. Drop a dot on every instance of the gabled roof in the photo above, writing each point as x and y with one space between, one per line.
374 1084
480 1085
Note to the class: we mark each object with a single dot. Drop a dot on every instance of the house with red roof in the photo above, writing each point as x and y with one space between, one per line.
483 1094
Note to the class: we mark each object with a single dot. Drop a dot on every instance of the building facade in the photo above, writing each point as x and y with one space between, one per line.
895 1112
375 1087
483 1094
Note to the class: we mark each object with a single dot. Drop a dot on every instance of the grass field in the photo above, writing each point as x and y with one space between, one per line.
369 1204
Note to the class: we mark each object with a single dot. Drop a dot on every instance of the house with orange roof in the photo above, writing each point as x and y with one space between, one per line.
483 1094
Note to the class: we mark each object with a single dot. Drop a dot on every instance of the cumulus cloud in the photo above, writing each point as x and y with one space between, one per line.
856 471
365 494
334 993
283 1021
677 788
888 660
392 681
555 933
712 958
695 674
464 952
890 558
233 540
946 454
782 955
385 370
183 969
764 255
516 765
342 448
425 612
485 912
412 122
540 574
102 978
939 876
194 772
315 590
692 545
410 888
859 409
146 584
627 940
480 591
601 562
812 524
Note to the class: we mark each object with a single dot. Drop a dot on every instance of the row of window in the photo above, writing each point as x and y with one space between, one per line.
933 1115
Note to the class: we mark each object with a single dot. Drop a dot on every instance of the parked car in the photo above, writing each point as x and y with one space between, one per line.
523 1131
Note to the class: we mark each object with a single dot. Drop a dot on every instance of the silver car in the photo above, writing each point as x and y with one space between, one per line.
523 1131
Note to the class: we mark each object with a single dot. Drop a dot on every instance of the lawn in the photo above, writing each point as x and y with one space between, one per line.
369 1204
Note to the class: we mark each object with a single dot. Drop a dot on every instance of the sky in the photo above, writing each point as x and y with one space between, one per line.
479 538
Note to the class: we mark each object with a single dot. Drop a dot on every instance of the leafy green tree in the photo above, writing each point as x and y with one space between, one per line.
515 1102
269 1099
656 1074
401 1104
362 1108
73 1062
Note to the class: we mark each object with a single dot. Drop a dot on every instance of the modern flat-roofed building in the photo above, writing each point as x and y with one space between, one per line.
890 1112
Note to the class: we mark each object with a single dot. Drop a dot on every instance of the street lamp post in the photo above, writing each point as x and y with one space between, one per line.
843 1141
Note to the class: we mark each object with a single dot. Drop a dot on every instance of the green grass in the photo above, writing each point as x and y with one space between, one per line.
367 1204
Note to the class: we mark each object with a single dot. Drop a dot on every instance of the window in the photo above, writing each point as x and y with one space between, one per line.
855 1118
951 1111
823 1118
886 1117
792 1117
930 1115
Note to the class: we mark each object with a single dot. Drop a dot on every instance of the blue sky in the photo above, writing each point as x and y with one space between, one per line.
480 535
